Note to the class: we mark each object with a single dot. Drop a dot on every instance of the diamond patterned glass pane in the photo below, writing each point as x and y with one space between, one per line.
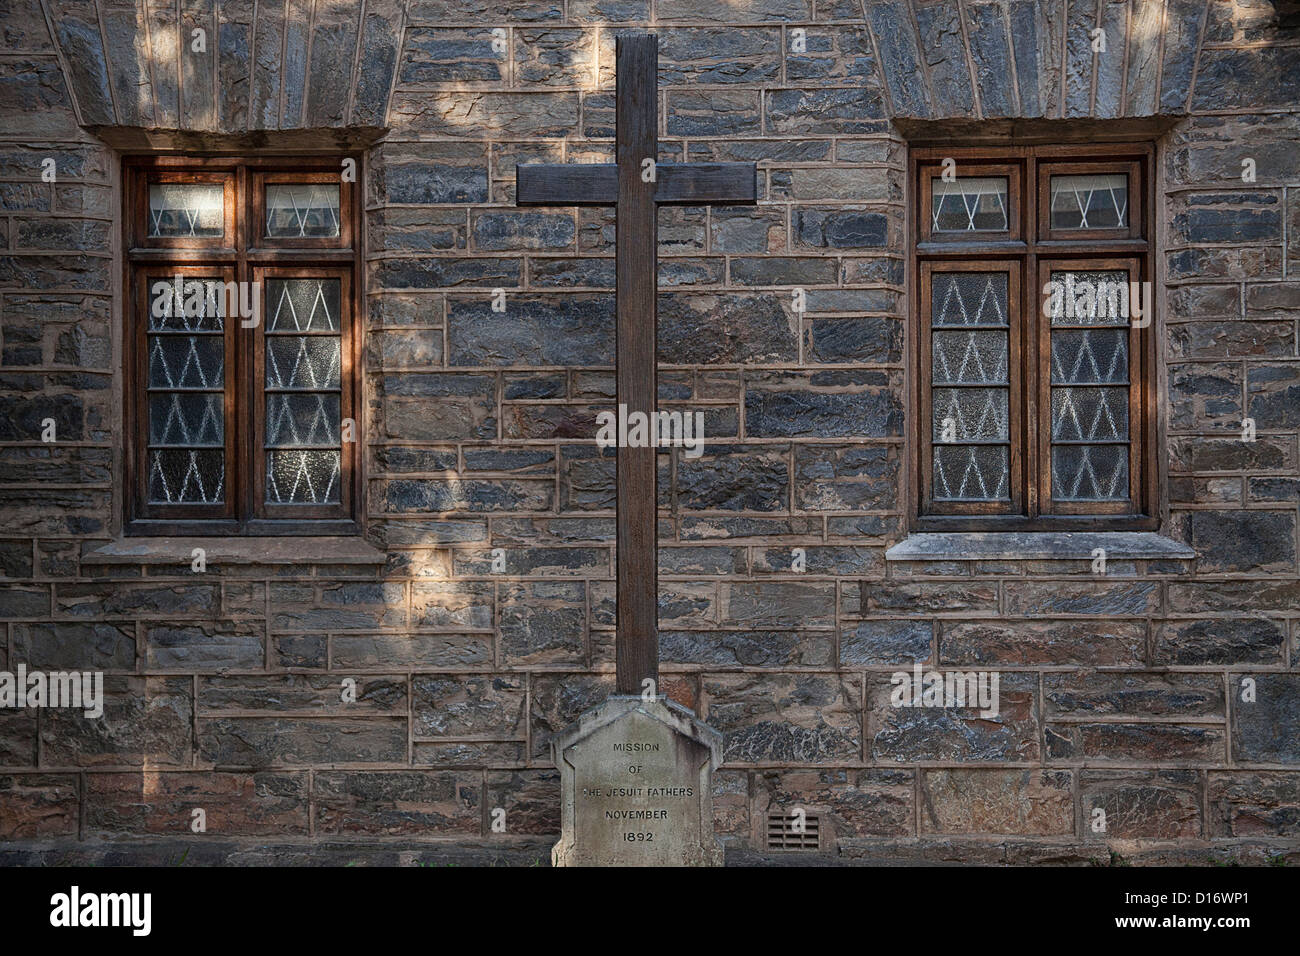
186 380
1090 202
186 361
969 204
1089 414
302 361
303 457
302 477
303 305
182 304
1089 356
187 419
968 298
302 210
969 414
186 210
971 472
298 420
968 358
1088 298
186 476
1089 472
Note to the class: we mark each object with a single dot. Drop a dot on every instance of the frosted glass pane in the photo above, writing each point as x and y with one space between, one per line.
302 210
303 305
186 476
187 304
1089 472
187 419
1088 298
969 204
1090 202
968 358
186 361
186 210
1089 414
971 472
968 298
969 414
297 420
1089 356
302 477
301 361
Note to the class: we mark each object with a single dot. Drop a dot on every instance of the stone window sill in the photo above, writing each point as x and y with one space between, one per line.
271 550
1039 546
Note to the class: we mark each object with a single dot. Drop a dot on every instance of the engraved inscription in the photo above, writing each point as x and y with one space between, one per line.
638 791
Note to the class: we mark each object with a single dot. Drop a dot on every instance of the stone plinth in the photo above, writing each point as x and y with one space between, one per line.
635 786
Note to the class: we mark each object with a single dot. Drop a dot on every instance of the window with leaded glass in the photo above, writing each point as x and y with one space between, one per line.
241 375
1033 338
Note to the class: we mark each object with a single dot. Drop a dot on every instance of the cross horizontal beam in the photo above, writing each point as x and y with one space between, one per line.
596 184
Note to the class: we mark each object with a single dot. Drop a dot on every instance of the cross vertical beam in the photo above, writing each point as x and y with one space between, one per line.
635 292
635 195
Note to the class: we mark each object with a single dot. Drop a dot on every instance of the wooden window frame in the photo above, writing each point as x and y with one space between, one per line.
1015 328
1132 169
140 210
987 170
240 256
263 509
1046 266
138 400
264 178
1037 249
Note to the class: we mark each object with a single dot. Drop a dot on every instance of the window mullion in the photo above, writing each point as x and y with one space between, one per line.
1033 379
1030 341
243 397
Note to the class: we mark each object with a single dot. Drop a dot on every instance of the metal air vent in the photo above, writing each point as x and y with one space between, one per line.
789 831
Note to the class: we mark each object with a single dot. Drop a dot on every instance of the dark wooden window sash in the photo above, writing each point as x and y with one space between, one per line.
242 254
1030 249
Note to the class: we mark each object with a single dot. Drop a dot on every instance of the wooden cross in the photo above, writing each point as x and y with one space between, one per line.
635 187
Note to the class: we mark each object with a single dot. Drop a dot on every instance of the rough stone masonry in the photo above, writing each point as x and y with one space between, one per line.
221 689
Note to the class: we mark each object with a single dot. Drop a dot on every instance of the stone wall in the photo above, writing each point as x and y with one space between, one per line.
1121 693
